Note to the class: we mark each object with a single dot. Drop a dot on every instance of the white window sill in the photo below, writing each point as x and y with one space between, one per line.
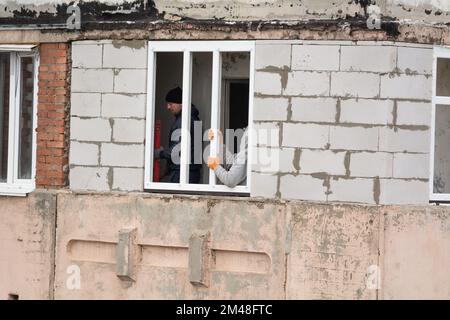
437 197
156 186
16 190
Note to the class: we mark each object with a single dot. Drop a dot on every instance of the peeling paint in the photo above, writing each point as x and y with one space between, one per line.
136 44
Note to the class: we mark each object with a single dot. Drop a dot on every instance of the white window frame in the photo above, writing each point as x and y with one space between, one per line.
439 52
187 48
13 185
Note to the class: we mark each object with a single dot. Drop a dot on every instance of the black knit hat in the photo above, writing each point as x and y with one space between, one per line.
175 95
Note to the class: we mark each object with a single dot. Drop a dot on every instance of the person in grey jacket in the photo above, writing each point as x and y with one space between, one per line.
232 175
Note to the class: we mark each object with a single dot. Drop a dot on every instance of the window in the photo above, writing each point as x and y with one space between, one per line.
440 133
216 81
18 98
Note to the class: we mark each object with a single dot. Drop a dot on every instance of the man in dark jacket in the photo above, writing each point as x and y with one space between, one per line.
171 154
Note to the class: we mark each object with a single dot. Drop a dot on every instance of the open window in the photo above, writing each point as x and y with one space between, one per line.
216 81
440 133
18 100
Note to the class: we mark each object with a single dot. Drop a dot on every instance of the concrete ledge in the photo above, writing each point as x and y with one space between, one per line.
258 249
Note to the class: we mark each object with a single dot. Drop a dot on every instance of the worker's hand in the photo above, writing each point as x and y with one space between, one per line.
211 135
157 153
213 162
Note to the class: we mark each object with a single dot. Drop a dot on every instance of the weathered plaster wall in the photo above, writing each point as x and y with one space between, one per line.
412 250
27 241
259 249
426 10
331 250
401 20
247 240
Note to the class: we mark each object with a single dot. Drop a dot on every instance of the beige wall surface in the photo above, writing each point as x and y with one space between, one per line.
136 246
27 230
416 249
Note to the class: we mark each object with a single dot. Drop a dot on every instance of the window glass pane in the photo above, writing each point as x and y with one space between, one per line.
4 114
441 183
234 106
443 77
200 113
26 117
168 84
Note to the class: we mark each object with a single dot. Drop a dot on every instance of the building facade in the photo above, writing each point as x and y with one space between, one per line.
347 110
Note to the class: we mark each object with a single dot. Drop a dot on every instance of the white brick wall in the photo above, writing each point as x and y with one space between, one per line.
314 161
408 165
109 85
266 160
82 153
355 84
273 160
119 155
87 56
406 87
371 164
353 100
414 113
270 109
287 160
415 60
130 81
85 104
354 138
305 135
315 57
129 130
352 190
82 178
90 129
368 58
266 134
123 106
108 104
302 187
265 56
265 185
403 192
115 55
366 111
92 80
306 83
314 109
267 83
127 179
404 140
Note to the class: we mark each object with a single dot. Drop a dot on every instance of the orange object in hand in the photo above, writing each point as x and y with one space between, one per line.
213 162
211 135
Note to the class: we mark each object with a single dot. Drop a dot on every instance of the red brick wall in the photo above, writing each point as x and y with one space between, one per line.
52 129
